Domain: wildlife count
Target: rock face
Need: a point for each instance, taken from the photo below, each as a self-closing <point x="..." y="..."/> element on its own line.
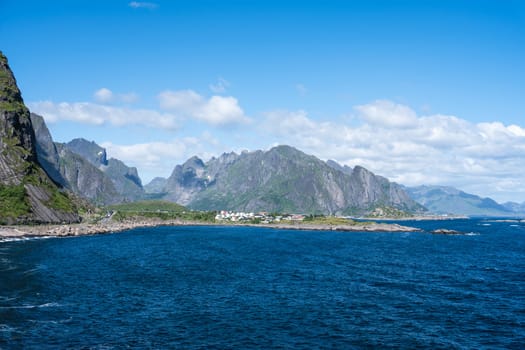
<point x="156" y="186"/>
<point x="27" y="194"/>
<point x="282" y="179"/>
<point x="126" y="180"/>
<point x="71" y="170"/>
<point x="450" y="200"/>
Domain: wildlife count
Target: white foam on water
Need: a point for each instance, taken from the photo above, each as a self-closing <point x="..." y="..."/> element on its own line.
<point x="31" y="306"/>
<point x="7" y="328"/>
<point x="471" y="234"/>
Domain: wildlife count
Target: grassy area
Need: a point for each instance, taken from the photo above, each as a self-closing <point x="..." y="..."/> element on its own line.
<point x="13" y="203"/>
<point x="159" y="210"/>
<point x="149" y="206"/>
<point x="331" y="220"/>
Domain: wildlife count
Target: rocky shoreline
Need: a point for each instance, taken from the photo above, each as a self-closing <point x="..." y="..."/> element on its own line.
<point x="70" y="230"/>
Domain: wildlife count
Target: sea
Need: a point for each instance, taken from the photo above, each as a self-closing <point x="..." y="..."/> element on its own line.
<point x="216" y="287"/>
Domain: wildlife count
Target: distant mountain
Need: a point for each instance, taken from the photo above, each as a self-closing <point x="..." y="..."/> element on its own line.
<point x="125" y="179"/>
<point x="515" y="207"/>
<point x="157" y="185"/>
<point x="27" y="194"/>
<point x="449" y="200"/>
<point x="71" y="170"/>
<point x="282" y="179"/>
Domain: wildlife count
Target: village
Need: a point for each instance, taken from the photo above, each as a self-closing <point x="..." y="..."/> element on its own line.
<point x="261" y="217"/>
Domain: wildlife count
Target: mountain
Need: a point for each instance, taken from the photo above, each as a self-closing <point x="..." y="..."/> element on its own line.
<point x="71" y="170"/>
<point x="27" y="193"/>
<point x="517" y="208"/>
<point x="156" y="185"/>
<point x="282" y="179"/>
<point x="125" y="179"/>
<point x="449" y="200"/>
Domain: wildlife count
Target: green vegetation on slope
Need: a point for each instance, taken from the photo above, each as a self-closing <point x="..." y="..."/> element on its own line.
<point x="13" y="203"/>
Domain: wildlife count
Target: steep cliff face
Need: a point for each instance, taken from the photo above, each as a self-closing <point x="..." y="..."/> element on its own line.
<point x="125" y="179"/>
<point x="282" y="179"/>
<point x="71" y="170"/>
<point x="27" y="194"/>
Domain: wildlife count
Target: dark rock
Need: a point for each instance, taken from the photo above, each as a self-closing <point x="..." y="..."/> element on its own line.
<point x="444" y="231"/>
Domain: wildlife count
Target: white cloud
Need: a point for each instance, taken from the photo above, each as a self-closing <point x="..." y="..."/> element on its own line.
<point x="103" y="95"/>
<point x="383" y="113"/>
<point x="142" y="4"/>
<point x="220" y="86"/>
<point x="217" y="110"/>
<point x="160" y="158"/>
<point x="393" y="141"/>
<point x="106" y="96"/>
<point x="97" y="114"/>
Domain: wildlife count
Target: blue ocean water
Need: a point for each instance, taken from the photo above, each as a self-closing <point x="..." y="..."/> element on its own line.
<point x="216" y="287"/>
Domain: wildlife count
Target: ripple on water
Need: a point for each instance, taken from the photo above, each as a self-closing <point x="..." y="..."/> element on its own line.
<point x="196" y="287"/>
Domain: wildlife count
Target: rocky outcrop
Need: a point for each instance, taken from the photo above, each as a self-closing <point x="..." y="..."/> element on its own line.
<point x="27" y="194"/>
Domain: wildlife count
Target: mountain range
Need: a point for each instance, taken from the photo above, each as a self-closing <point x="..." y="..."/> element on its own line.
<point x="82" y="167"/>
<point x="40" y="179"/>
<point x="449" y="200"/>
<point x="282" y="179"/>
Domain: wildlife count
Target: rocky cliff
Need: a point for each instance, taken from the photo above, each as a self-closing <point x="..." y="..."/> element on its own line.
<point x="282" y="179"/>
<point x="27" y="194"/>
<point x="71" y="170"/>
<point x="125" y="179"/>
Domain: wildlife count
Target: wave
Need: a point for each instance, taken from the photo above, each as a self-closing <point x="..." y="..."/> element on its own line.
<point x="31" y="306"/>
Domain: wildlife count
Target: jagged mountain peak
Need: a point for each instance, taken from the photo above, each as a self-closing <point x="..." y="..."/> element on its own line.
<point x="282" y="178"/>
<point x="89" y="150"/>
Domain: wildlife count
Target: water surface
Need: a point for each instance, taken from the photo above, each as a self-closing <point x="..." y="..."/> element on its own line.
<point x="241" y="287"/>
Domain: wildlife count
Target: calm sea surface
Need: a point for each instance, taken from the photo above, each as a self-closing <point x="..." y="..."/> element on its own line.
<point x="223" y="287"/>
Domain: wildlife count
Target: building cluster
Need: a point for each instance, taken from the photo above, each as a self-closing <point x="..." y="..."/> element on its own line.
<point x="262" y="217"/>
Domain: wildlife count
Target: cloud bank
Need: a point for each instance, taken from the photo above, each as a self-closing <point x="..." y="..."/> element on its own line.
<point x="393" y="141"/>
<point x="98" y="114"/>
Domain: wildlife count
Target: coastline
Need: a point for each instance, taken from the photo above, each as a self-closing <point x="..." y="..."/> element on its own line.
<point x="83" y="229"/>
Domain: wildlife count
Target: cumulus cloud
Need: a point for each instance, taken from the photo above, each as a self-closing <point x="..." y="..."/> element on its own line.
<point x="103" y="95"/>
<point x="393" y="141"/>
<point x="216" y="110"/>
<point x="106" y="96"/>
<point x="143" y="4"/>
<point x="383" y="113"/>
<point x="97" y="114"/>
<point x="220" y="86"/>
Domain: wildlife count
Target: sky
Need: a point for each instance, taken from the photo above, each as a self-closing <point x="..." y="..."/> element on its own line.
<point x="419" y="91"/>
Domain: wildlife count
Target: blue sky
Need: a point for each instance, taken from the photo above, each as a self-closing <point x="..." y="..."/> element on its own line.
<point x="422" y="92"/>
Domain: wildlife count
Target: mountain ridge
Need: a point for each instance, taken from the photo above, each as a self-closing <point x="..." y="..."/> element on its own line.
<point x="450" y="200"/>
<point x="281" y="179"/>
